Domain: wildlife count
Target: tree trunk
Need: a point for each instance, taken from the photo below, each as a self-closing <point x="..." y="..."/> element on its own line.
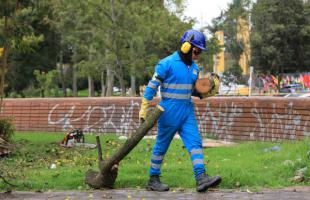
<point x="90" y="87"/>
<point x="110" y="74"/>
<point x="103" y="86"/>
<point x="122" y="84"/>
<point x="4" y="62"/>
<point x="74" y="81"/>
<point x="74" y="73"/>
<point x="2" y="71"/>
<point x="62" y="75"/>
<point x="108" y="170"/>
<point x="110" y="82"/>
<point x="120" y="76"/>
<point x="133" y="85"/>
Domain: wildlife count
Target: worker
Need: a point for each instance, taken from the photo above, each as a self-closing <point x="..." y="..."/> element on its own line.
<point x="177" y="75"/>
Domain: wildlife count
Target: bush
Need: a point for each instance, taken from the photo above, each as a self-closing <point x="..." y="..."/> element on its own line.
<point x="31" y="91"/>
<point x="14" y="95"/>
<point x="6" y="129"/>
<point x="69" y="92"/>
<point x="53" y="92"/>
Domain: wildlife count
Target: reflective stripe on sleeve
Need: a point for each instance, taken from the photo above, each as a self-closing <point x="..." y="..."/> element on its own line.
<point x="152" y="85"/>
<point x="157" y="80"/>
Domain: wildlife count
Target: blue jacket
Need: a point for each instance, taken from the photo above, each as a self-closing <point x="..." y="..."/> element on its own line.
<point x="175" y="78"/>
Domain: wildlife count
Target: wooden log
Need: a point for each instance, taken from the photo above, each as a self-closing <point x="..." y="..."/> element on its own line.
<point x="99" y="148"/>
<point x="204" y="85"/>
<point x="108" y="169"/>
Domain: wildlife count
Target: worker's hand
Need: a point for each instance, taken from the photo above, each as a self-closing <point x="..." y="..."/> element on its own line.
<point x="217" y="82"/>
<point x="143" y="110"/>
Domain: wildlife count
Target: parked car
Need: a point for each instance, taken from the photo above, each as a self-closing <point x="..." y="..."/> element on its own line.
<point x="298" y="95"/>
<point x="292" y="88"/>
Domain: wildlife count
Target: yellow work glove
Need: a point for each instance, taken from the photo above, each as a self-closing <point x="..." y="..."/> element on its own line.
<point x="216" y="85"/>
<point x="143" y="110"/>
<point x="215" y="89"/>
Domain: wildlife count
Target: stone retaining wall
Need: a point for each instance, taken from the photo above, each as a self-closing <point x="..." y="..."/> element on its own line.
<point x="230" y="118"/>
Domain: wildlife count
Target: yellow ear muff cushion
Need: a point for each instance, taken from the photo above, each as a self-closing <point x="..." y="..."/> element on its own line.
<point x="186" y="47"/>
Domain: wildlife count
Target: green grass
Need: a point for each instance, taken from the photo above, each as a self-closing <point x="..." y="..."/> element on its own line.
<point x="243" y="166"/>
<point x="84" y="93"/>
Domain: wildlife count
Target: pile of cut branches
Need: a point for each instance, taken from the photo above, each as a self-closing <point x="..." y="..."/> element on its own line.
<point x="6" y="132"/>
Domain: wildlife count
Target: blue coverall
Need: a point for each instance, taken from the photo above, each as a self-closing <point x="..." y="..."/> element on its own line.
<point x="177" y="81"/>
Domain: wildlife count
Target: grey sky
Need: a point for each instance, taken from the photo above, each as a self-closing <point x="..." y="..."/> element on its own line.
<point x="205" y="10"/>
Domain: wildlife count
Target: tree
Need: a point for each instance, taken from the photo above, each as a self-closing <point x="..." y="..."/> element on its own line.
<point x="155" y="32"/>
<point x="43" y="57"/>
<point x="66" y="23"/>
<point x="305" y="34"/>
<point x="229" y="22"/>
<point x="207" y="58"/>
<point x="101" y="40"/>
<point x="47" y="82"/>
<point x="123" y="38"/>
<point x="280" y="36"/>
<point x="17" y="35"/>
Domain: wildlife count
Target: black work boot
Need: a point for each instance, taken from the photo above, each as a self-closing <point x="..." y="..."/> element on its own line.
<point x="155" y="184"/>
<point x="203" y="182"/>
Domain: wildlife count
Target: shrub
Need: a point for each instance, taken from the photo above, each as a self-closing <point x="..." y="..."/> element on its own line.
<point x="31" y="91"/>
<point x="14" y="95"/>
<point x="6" y="129"/>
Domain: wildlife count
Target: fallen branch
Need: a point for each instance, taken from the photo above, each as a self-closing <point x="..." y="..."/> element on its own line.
<point x="108" y="169"/>
<point x="7" y="182"/>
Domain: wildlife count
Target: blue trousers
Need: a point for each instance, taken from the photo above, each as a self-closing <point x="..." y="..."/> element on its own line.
<point x="179" y="117"/>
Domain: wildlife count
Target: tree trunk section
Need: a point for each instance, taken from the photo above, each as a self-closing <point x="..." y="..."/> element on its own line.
<point x="108" y="170"/>
<point x="62" y="75"/>
<point x="122" y="84"/>
<point x="110" y="82"/>
<point x="74" y="73"/>
<point x="120" y="76"/>
<point x="90" y="86"/>
<point x="2" y="82"/>
<point x="74" y="81"/>
<point x="133" y="85"/>
<point x="103" y="86"/>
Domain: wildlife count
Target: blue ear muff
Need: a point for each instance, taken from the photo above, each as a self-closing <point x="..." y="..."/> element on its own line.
<point x="186" y="46"/>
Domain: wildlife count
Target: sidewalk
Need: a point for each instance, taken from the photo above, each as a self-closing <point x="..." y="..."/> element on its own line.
<point x="298" y="193"/>
<point x="206" y="143"/>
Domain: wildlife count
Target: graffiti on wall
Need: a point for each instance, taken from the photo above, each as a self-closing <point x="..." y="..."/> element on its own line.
<point x="272" y="124"/>
<point x="105" y="123"/>
<point x="221" y="118"/>
<point x="266" y="123"/>
<point x="227" y="120"/>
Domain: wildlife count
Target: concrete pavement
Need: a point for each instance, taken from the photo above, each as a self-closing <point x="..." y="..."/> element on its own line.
<point x="301" y="193"/>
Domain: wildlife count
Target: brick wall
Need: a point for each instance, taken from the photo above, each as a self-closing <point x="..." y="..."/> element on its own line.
<point x="230" y="118"/>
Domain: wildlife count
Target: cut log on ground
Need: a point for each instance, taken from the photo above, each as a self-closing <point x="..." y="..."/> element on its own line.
<point x="108" y="169"/>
